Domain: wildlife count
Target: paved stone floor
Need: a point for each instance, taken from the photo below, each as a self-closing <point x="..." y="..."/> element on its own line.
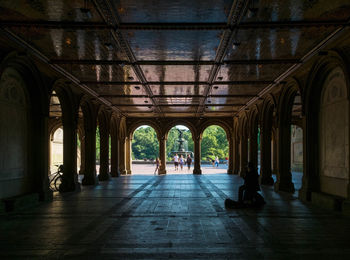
<point x="148" y="169"/>
<point x="172" y="216"/>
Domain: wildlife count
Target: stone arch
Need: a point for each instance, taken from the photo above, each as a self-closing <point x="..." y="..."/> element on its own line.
<point x="285" y="105"/>
<point x="229" y="136"/>
<point x="36" y="150"/>
<point x="218" y="122"/>
<point x="184" y="122"/>
<point x="138" y="123"/>
<point x="53" y="127"/>
<point x="318" y="76"/>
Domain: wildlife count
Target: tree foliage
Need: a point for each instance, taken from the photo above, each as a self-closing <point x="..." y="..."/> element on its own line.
<point x="214" y="143"/>
<point x="145" y="144"/>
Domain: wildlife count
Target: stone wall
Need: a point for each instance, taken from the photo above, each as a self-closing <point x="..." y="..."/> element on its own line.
<point x="14" y="179"/>
<point x="334" y="135"/>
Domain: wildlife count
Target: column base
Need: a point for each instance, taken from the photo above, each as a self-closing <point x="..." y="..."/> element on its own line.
<point x="230" y="171"/>
<point x="197" y="171"/>
<point x="89" y="181"/>
<point x="236" y="172"/>
<point x="267" y="181"/>
<point x="115" y="174"/>
<point x="129" y="172"/>
<point x="286" y="187"/>
<point x="66" y="186"/>
<point x="104" y="177"/>
<point x="161" y="172"/>
<point x="123" y="172"/>
<point x="304" y="195"/>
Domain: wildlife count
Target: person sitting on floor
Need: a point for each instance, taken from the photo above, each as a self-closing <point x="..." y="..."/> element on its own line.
<point x="248" y="195"/>
<point x="251" y="184"/>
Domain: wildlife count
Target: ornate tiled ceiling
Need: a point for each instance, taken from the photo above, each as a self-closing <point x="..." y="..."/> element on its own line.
<point x="174" y="58"/>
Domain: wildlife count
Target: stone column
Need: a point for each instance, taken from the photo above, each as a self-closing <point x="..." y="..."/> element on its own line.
<point x="162" y="155"/>
<point x="230" y="166"/>
<point x="197" y="155"/>
<point x="284" y="175"/>
<point x="236" y="156"/>
<point x="104" y="151"/>
<point x="253" y="150"/>
<point x="122" y="156"/>
<point x="128" y="155"/>
<point x="114" y="155"/>
<point x="265" y="155"/>
<point x="70" y="178"/>
<point x="90" y="157"/>
<point x="243" y="155"/>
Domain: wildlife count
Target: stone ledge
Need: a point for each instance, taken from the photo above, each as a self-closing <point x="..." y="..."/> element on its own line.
<point x="18" y="202"/>
<point x="327" y="201"/>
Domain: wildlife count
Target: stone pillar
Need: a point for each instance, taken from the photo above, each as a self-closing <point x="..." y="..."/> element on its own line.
<point x="104" y="151"/>
<point x="284" y="175"/>
<point x="253" y="150"/>
<point x="90" y="156"/>
<point x="128" y="155"/>
<point x="243" y="155"/>
<point x="114" y="154"/>
<point x="122" y="156"/>
<point x="265" y="158"/>
<point x="305" y="191"/>
<point x="236" y="156"/>
<point x="70" y="178"/>
<point x="230" y="166"/>
<point x="197" y="155"/>
<point x="162" y="155"/>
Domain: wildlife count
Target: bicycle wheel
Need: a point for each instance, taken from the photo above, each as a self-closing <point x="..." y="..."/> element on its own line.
<point x="58" y="182"/>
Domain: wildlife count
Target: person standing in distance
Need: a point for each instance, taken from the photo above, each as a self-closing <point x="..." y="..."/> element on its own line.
<point x="188" y="161"/>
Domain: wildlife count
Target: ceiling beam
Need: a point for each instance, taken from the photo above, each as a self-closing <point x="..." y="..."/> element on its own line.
<point x="177" y="105"/>
<point x="41" y="57"/>
<point x="182" y="83"/>
<point x="173" y="62"/>
<point x="238" y="9"/>
<point x="168" y="26"/>
<point x="314" y="51"/>
<point x="110" y="15"/>
<point x="176" y="96"/>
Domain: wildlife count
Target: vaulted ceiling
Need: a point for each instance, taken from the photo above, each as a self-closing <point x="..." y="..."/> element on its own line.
<point x="174" y="58"/>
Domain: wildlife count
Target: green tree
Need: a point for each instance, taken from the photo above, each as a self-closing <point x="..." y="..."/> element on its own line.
<point x="145" y="144"/>
<point x="214" y="143"/>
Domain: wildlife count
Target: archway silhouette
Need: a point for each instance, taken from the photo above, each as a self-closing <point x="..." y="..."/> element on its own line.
<point x="144" y="150"/>
<point x="214" y="150"/>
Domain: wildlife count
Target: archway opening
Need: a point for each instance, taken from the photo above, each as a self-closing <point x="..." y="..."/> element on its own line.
<point x="144" y="150"/>
<point x="56" y="134"/>
<point x="98" y="145"/>
<point x="179" y="147"/>
<point x="214" y="150"/>
<point x="56" y="149"/>
<point x="80" y="142"/>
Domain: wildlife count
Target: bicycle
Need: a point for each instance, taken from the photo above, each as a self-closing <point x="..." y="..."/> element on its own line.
<point x="56" y="178"/>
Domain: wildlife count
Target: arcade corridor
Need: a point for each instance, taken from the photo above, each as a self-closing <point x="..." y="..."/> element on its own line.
<point x="78" y="77"/>
<point x="173" y="216"/>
